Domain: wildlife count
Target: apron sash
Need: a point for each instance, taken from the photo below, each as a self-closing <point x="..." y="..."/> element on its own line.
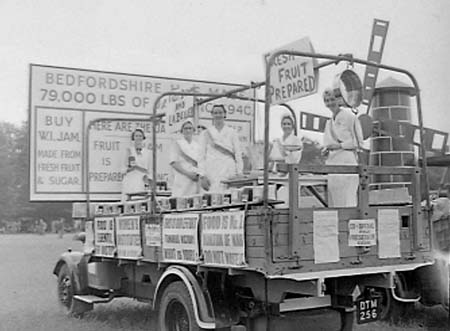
<point x="219" y="147"/>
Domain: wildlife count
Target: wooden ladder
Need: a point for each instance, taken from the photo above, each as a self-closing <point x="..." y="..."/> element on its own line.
<point x="376" y="47"/>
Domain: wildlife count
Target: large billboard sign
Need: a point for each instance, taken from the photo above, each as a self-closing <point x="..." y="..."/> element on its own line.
<point x="81" y="122"/>
<point x="292" y="77"/>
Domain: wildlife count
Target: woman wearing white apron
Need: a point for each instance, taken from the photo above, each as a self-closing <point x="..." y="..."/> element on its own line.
<point x="184" y="159"/>
<point x="221" y="151"/>
<point x="137" y="178"/>
<point x="342" y="139"/>
<point x="288" y="148"/>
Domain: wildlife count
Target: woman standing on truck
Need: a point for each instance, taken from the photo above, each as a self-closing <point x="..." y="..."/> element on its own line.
<point x="137" y="177"/>
<point x="184" y="159"/>
<point x="138" y="153"/>
<point x="342" y="139"/>
<point x="221" y="151"/>
<point x="289" y="148"/>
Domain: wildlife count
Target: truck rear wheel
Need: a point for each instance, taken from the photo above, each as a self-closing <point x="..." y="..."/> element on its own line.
<point x="176" y="312"/>
<point x="391" y="310"/>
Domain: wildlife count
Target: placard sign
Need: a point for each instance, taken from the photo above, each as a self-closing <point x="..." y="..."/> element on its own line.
<point x="180" y="238"/>
<point x="362" y="232"/>
<point x="105" y="244"/>
<point x="128" y="237"/>
<point x="72" y="153"/>
<point x="326" y="236"/>
<point x="388" y="233"/>
<point x="153" y="234"/>
<point x="292" y="77"/>
<point x="223" y="238"/>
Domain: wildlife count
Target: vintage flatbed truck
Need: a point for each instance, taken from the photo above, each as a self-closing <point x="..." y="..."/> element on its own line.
<point x="251" y="264"/>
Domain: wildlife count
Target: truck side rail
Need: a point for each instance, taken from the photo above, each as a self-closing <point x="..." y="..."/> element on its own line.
<point x="364" y="205"/>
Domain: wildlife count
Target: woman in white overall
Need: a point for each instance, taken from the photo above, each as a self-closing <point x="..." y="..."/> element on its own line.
<point x="221" y="151"/>
<point x="288" y="148"/>
<point x="184" y="159"/>
<point x="342" y="139"/>
<point x="137" y="178"/>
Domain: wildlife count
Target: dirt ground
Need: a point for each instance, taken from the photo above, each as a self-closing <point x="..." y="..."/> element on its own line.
<point x="28" y="295"/>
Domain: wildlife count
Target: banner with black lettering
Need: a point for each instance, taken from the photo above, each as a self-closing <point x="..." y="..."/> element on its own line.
<point x="81" y="122"/>
<point x="180" y="238"/>
<point x="223" y="238"/>
<point x="128" y="232"/>
<point x="104" y="243"/>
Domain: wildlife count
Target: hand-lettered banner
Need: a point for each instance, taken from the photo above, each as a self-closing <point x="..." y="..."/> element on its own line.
<point x="223" y="238"/>
<point x="180" y="238"/>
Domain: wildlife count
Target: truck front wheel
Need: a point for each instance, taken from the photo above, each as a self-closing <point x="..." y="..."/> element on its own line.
<point x="66" y="289"/>
<point x="176" y="312"/>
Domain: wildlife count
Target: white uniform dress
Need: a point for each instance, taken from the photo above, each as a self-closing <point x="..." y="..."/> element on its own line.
<point x="280" y="153"/>
<point x="133" y="181"/>
<point x="221" y="156"/>
<point x="346" y="130"/>
<point x="142" y="157"/>
<point x="188" y="156"/>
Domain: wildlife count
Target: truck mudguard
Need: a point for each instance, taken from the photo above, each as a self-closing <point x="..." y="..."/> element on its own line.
<point x="77" y="264"/>
<point x="203" y="311"/>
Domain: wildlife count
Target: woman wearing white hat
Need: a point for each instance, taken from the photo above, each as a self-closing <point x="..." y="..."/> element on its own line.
<point x="342" y="140"/>
<point x="289" y="147"/>
<point x="221" y="151"/>
<point x="184" y="159"/>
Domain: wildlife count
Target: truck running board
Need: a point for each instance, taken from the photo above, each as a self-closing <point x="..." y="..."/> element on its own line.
<point x="91" y="299"/>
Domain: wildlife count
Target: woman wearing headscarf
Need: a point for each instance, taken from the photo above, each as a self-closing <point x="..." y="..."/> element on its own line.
<point x="221" y="151"/>
<point x="342" y="139"/>
<point x="184" y="159"/>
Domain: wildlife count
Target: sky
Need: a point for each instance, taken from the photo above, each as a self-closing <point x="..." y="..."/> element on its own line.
<point x="221" y="40"/>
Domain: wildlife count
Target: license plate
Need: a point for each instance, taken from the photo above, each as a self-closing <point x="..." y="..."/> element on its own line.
<point x="368" y="310"/>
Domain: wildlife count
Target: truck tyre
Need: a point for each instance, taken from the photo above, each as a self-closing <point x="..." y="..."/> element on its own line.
<point x="66" y="291"/>
<point x="391" y="310"/>
<point x="176" y="312"/>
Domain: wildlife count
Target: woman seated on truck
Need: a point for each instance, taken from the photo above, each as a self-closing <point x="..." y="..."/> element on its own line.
<point x="137" y="177"/>
<point x="287" y="149"/>
<point x="342" y="139"/>
<point x="184" y="159"/>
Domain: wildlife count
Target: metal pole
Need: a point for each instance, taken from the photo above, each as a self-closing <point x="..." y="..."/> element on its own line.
<point x="88" y="197"/>
<point x="229" y="93"/>
<point x="266" y="131"/>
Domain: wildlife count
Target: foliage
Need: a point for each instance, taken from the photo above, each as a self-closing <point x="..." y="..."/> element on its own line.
<point x="14" y="186"/>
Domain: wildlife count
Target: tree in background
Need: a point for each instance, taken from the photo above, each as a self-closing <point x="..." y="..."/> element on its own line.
<point x="14" y="186"/>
